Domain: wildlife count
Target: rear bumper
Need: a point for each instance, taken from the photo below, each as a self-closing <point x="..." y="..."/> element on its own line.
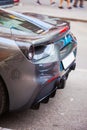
<point x="65" y="76"/>
<point x="49" y="90"/>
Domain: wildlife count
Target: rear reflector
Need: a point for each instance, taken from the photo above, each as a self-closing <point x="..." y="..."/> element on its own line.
<point x="53" y="78"/>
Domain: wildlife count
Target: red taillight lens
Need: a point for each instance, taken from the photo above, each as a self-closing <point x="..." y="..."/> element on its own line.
<point x="15" y="1"/>
<point x="53" y="78"/>
<point x="64" y="29"/>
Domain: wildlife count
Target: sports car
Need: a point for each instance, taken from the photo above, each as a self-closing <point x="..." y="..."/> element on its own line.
<point x="37" y="53"/>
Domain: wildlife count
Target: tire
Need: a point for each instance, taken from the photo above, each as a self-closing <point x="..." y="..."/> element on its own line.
<point x="3" y="98"/>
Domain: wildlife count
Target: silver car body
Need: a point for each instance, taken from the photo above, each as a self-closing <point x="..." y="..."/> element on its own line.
<point x="29" y="79"/>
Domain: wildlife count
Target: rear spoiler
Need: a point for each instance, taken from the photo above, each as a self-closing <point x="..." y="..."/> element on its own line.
<point x="53" y="35"/>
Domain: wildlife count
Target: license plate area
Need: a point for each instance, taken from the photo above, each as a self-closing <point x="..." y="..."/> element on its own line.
<point x="68" y="60"/>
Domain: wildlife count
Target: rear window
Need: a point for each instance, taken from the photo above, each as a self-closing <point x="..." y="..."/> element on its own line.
<point x="13" y="22"/>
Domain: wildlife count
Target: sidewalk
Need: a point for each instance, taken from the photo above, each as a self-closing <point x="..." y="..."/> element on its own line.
<point x="77" y="14"/>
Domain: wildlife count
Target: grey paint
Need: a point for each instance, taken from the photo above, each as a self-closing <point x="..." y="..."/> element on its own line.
<point x="25" y="78"/>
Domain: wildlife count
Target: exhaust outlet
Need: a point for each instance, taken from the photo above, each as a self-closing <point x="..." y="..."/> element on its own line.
<point x="73" y="66"/>
<point x="60" y="83"/>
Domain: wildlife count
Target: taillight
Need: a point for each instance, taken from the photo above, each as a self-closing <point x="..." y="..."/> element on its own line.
<point x="15" y="1"/>
<point x="28" y="52"/>
<point x="64" y="29"/>
<point x="31" y="53"/>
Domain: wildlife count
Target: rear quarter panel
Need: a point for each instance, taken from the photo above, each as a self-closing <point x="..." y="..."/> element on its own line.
<point x="18" y="74"/>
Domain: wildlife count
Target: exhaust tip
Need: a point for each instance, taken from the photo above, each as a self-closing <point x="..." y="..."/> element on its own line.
<point x="73" y="66"/>
<point x="60" y="83"/>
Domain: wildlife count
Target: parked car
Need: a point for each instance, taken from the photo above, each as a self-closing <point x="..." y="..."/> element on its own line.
<point x="37" y="53"/>
<point x="7" y="3"/>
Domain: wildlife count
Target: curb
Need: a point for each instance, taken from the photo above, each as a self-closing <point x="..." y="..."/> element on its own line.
<point x="47" y="10"/>
<point x="73" y="19"/>
<point x="63" y="18"/>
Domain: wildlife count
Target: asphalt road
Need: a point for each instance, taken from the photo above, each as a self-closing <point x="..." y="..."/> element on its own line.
<point x="68" y="109"/>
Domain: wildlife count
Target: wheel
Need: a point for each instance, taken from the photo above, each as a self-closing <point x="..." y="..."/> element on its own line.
<point x="3" y="98"/>
<point x="62" y="84"/>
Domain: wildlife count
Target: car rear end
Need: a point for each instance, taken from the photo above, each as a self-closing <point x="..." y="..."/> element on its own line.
<point x="67" y="56"/>
<point x="46" y="55"/>
<point x="54" y="57"/>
